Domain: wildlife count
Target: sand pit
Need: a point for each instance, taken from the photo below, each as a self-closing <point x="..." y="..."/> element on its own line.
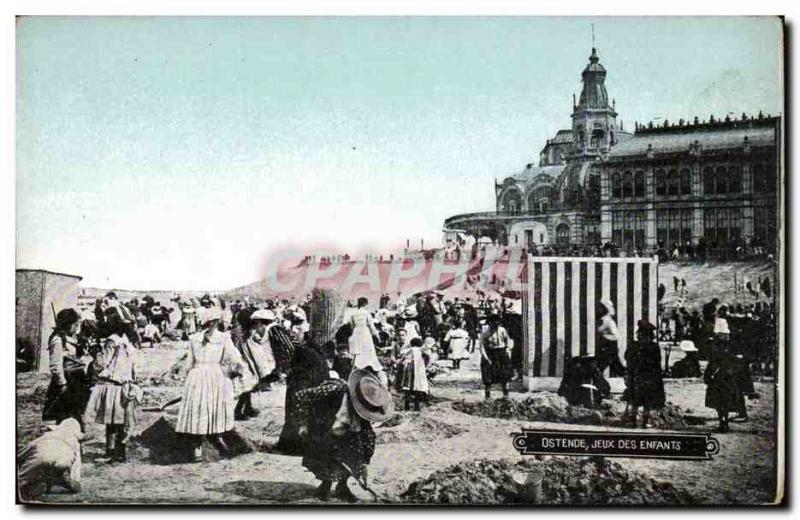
<point x="165" y="446"/>
<point x="570" y="481"/>
<point x="429" y="400"/>
<point x="414" y="427"/>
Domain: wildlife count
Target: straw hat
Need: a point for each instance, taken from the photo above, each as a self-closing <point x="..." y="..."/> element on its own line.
<point x="370" y="399"/>
<point x="327" y="314"/>
<point x="263" y="315"/>
<point x="208" y="314"/>
<point x="410" y="312"/>
<point x="688" y="346"/>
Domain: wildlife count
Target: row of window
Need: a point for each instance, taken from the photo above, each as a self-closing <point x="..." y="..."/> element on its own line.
<point x="720" y="225"/>
<point x="720" y="181"/>
<point x="539" y="201"/>
<point x="628" y="229"/>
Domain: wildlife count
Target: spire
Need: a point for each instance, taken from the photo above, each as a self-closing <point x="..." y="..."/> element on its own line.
<point x="593" y="94"/>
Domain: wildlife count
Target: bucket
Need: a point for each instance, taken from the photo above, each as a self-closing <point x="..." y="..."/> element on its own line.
<point x="529" y="485"/>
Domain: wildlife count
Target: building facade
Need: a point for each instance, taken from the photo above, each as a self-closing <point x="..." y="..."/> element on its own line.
<point x="706" y="183"/>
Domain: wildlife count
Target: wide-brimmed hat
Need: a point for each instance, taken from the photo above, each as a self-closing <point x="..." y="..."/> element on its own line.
<point x="326" y="311"/>
<point x="207" y="314"/>
<point x="66" y="317"/>
<point x="370" y="399"/>
<point x="263" y="315"/>
<point x="410" y="312"/>
<point x="688" y="346"/>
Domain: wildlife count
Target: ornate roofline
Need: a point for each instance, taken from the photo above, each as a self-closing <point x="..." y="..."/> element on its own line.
<point x="681" y="126"/>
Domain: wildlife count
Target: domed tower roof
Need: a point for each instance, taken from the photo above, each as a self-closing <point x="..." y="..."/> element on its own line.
<point x="594" y="93"/>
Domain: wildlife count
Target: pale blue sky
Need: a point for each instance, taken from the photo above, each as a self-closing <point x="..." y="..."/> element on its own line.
<point x="174" y="152"/>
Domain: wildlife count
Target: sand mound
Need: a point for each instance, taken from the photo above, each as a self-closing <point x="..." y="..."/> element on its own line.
<point x="544" y="406"/>
<point x="414" y="427"/>
<point x="550" y="407"/>
<point x="570" y="481"/>
<point x="169" y="447"/>
<point x="429" y="400"/>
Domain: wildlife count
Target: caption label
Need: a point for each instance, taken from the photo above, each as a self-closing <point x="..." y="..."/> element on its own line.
<point x="681" y="446"/>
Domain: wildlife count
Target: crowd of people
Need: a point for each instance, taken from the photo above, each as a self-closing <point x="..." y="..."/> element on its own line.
<point x="338" y="361"/>
<point x="342" y="361"/>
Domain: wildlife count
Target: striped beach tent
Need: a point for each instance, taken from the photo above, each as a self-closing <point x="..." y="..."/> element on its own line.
<point x="558" y="306"/>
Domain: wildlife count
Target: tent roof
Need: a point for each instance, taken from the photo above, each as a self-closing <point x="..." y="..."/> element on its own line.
<point x="49" y="272"/>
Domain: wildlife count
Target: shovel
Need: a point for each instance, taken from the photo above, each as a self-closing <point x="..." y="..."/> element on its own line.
<point x="163" y="406"/>
<point x="364" y="486"/>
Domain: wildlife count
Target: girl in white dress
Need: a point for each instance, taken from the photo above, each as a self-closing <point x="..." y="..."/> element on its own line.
<point x="207" y="407"/>
<point x="458" y="340"/>
<point x="361" y="345"/>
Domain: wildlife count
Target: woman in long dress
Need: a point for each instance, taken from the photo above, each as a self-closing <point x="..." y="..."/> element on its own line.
<point x="723" y="392"/>
<point x="207" y="407"/>
<point x="68" y="390"/>
<point x="644" y="383"/>
<point x="257" y="355"/>
<point x="306" y="364"/>
<point x="361" y="345"/>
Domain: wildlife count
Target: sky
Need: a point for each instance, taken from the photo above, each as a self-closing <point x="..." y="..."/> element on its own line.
<point x="177" y="153"/>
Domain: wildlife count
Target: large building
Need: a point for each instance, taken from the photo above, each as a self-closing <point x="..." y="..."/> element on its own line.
<point x="711" y="183"/>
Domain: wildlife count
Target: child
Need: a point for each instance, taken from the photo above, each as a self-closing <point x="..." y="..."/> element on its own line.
<point x="412" y="380"/>
<point x="458" y="340"/>
<point x="113" y="398"/>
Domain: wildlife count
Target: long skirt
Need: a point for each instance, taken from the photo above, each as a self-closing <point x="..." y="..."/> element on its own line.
<point x="70" y="403"/>
<point x="459" y="349"/>
<point x="608" y="356"/>
<point x="412" y="378"/>
<point x="207" y="406"/>
<point x="106" y="404"/>
<point x="499" y="370"/>
<point x="360" y="340"/>
<point x="326" y="455"/>
<point x="723" y="392"/>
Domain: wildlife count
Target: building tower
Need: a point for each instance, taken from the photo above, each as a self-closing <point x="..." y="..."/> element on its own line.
<point x="594" y="121"/>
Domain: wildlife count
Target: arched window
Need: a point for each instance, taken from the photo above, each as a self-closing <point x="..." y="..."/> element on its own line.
<point x="627" y="185"/>
<point x="686" y="182"/>
<point x="533" y="204"/>
<point x="596" y="138"/>
<point x="722" y="180"/>
<point x="512" y="202"/>
<point x="661" y="182"/>
<point x="674" y="185"/>
<point x="734" y="180"/>
<point x="638" y="185"/>
<point x="708" y="181"/>
<point x="616" y="186"/>
<point x="562" y="234"/>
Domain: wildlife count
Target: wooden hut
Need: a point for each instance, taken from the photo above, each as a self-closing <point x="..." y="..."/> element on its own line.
<point x="40" y="295"/>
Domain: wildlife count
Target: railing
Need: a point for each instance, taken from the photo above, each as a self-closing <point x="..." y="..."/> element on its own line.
<point x="492" y="214"/>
